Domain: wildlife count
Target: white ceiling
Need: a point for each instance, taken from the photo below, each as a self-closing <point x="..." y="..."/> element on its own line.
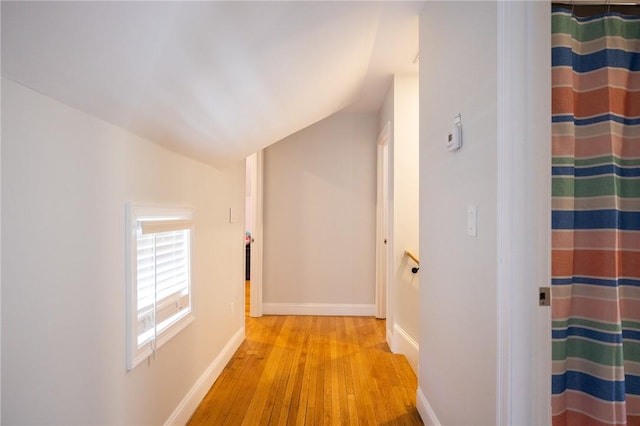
<point x="215" y="81"/>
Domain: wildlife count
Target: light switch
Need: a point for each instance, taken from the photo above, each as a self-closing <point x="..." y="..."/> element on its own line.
<point x="472" y="220"/>
<point x="232" y="215"/>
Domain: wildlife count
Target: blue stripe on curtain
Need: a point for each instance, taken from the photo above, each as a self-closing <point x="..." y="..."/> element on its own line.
<point x="632" y="384"/>
<point x="599" y="336"/>
<point x="607" y="390"/>
<point x="596" y="170"/>
<point x="596" y="281"/>
<point x="631" y="334"/>
<point x="563" y="56"/>
<point x="596" y="219"/>
<point x="594" y="120"/>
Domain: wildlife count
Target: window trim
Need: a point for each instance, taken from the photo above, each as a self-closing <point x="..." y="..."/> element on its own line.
<point x="158" y="219"/>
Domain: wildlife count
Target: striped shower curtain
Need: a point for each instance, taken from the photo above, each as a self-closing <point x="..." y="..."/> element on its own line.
<point x="596" y="218"/>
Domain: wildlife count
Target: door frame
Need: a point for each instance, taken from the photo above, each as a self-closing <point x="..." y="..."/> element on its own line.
<point x="383" y="301"/>
<point x="255" y="169"/>
<point x="524" y="211"/>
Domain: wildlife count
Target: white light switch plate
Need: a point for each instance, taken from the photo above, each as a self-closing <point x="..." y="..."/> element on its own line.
<point x="472" y="220"/>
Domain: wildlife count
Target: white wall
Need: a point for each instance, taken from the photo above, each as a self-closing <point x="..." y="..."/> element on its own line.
<point x="503" y="373"/>
<point x="401" y="109"/>
<point x="66" y="177"/>
<point x="458" y="309"/>
<point x="319" y="218"/>
<point x="405" y="155"/>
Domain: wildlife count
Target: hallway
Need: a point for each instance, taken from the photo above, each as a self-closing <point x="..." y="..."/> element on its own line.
<point x="303" y="370"/>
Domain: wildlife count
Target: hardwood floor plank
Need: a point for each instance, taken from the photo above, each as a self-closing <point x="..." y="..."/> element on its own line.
<point x="303" y="370"/>
<point x="361" y="376"/>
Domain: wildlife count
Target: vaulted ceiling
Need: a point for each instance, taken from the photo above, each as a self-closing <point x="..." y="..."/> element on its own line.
<point x="215" y="81"/>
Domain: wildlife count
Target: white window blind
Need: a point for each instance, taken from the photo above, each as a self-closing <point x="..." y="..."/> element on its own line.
<point x="160" y="284"/>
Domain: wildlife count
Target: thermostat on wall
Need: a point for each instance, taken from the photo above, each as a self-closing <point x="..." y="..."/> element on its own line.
<point x="454" y="139"/>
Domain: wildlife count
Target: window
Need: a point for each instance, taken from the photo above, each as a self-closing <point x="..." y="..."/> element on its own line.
<point x="159" y="278"/>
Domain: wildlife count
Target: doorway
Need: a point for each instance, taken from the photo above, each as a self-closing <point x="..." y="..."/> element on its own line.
<point x="253" y="235"/>
<point x="382" y="228"/>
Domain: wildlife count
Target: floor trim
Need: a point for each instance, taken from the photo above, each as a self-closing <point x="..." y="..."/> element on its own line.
<point x="426" y="412"/>
<point x="192" y="399"/>
<point x="404" y="344"/>
<point x="324" y="309"/>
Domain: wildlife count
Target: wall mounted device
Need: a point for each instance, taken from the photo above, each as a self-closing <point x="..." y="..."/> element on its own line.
<point x="472" y="220"/>
<point x="454" y="139"/>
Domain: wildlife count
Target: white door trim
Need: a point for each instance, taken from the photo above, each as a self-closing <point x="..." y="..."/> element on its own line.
<point x="524" y="197"/>
<point x="382" y="226"/>
<point x="255" y="286"/>
<point x="505" y="151"/>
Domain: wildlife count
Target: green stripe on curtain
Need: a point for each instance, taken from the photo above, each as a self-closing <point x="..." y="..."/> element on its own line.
<point x="587" y="323"/>
<point x="608" y="159"/>
<point x="595" y="187"/>
<point x="602" y="354"/>
<point x="592" y="30"/>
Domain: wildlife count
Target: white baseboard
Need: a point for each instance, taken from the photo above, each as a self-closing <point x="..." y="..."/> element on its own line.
<point x="406" y="345"/>
<point x="426" y="412"/>
<point x="192" y="399"/>
<point x="326" y="309"/>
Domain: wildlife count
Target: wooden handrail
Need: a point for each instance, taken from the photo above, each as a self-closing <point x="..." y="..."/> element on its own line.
<point x="412" y="256"/>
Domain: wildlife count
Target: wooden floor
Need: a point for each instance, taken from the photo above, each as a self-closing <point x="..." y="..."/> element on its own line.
<point x="304" y="370"/>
